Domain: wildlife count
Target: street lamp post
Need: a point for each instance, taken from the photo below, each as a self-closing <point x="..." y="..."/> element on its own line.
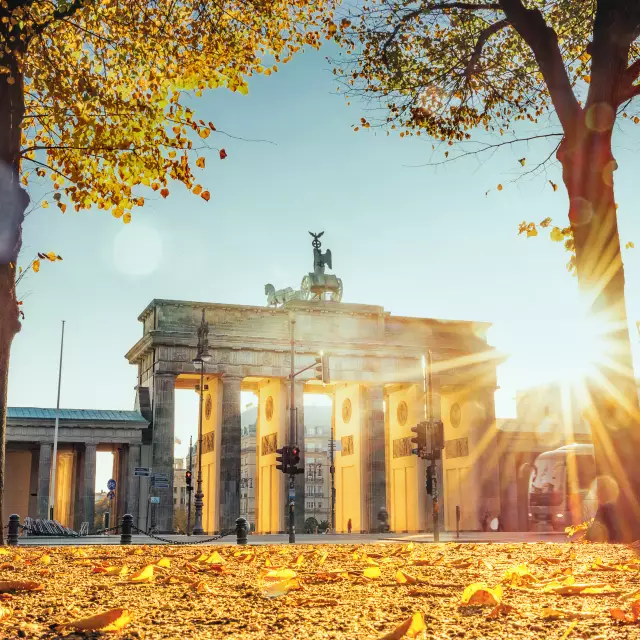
<point x="203" y="356"/>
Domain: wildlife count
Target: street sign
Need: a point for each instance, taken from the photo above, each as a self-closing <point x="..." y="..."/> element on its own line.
<point x="160" y="480"/>
<point x="111" y="485"/>
<point x="155" y="500"/>
<point x="143" y="472"/>
<point x="111" y="495"/>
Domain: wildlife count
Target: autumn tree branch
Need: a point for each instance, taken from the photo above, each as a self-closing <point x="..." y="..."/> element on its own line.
<point x="485" y="34"/>
<point x="543" y="41"/>
<point x="438" y="6"/>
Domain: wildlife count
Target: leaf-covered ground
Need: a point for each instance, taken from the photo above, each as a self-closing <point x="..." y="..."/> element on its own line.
<point x="375" y="591"/>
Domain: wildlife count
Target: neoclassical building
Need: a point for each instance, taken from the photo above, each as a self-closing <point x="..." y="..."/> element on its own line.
<point x="377" y="390"/>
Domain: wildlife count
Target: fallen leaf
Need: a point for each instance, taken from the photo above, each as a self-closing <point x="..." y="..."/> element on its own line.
<point x="519" y="576"/>
<point x="117" y="571"/>
<point x="281" y="588"/>
<point x="279" y="574"/>
<point x="112" y="620"/>
<point x="214" y="558"/>
<point x="372" y="572"/>
<point x="410" y="628"/>
<point x="479" y="594"/>
<point x="16" y="585"/>
<point x="144" y="575"/>
<point x="620" y="615"/>
<point x="405" y="578"/>
<point x="5" y="612"/>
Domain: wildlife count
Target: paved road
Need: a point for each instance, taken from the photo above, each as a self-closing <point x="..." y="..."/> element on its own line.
<point x="420" y="538"/>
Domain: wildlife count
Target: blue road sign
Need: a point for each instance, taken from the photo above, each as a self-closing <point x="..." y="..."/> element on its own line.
<point x="111" y="484"/>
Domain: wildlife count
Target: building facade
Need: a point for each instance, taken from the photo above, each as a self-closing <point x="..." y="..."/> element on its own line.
<point x="82" y="433"/>
<point x="375" y="363"/>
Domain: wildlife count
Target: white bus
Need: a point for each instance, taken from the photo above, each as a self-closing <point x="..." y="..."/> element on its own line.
<point x="562" y="488"/>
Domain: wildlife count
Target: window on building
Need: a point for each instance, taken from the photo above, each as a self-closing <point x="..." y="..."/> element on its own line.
<point x="250" y="483"/>
<point x="175" y="501"/>
<point x="309" y="505"/>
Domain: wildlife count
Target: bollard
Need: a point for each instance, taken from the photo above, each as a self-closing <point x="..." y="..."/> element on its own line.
<point x="457" y="521"/>
<point x="126" y="529"/>
<point x="241" y="530"/>
<point x="13" y="530"/>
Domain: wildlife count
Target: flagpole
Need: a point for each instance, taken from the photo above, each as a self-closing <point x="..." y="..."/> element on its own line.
<point x="52" y="486"/>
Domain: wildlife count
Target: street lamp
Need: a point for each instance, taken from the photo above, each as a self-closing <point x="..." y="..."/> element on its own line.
<point x="203" y="356"/>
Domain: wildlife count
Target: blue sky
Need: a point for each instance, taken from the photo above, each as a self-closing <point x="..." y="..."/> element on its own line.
<point x="418" y="241"/>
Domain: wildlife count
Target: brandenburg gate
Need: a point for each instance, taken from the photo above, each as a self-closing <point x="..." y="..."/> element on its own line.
<point x="377" y="391"/>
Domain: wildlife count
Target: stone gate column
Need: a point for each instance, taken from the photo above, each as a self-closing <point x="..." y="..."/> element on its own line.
<point x="230" y="445"/>
<point x="44" y="479"/>
<point x="300" y="478"/>
<point x="89" y="484"/>
<point x="163" y="446"/>
<point x="375" y="492"/>
<point x="132" y="498"/>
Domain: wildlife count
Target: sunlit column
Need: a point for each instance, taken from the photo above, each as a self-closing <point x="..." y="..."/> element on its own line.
<point x="230" y="452"/>
<point x="44" y="478"/>
<point x="376" y="487"/>
<point x="163" y="446"/>
<point x="89" y="484"/>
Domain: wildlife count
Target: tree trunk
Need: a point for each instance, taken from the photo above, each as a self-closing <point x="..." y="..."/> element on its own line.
<point x="13" y="202"/>
<point x="611" y="398"/>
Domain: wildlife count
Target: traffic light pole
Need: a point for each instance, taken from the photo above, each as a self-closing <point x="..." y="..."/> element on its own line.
<point x="292" y="435"/>
<point x="189" y="490"/>
<point x="432" y="427"/>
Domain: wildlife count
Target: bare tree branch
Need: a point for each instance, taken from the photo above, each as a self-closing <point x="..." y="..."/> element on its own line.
<point x="543" y="41"/>
<point x="485" y="34"/>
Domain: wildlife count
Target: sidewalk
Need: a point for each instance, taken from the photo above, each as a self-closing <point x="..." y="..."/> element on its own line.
<point x="302" y="538"/>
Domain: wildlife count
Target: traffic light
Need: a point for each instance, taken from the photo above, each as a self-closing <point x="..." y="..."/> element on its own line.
<point x="438" y="435"/>
<point x="430" y="480"/>
<point x="322" y="368"/>
<point x="283" y="459"/>
<point x="294" y="461"/>
<point x="420" y="439"/>
<point x="187" y="477"/>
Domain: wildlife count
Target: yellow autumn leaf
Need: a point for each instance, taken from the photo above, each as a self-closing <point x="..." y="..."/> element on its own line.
<point x="556" y="234"/>
<point x="279" y="575"/>
<point x="117" y="571"/>
<point x="143" y="575"/>
<point x="126" y="218"/>
<point x="405" y="578"/>
<point x="532" y="231"/>
<point x="499" y="187"/>
<point x="280" y="588"/>
<point x="629" y="245"/>
<point x="372" y="572"/>
<point x="44" y="204"/>
<point x="479" y="594"/>
<point x="36" y="266"/>
<point x="554" y="186"/>
<point x="5" y="613"/>
<point x="408" y="629"/>
<point x="200" y="162"/>
<point x="214" y="558"/>
<point x="45" y="559"/>
<point x="164" y="563"/>
<point x="112" y="620"/>
<point x="518" y="575"/>
<point x="522" y="161"/>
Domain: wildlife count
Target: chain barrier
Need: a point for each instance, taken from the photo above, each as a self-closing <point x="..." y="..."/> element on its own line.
<point x="101" y="531"/>
<point x="167" y="541"/>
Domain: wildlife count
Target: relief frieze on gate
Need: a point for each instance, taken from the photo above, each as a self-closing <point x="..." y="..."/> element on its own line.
<point x="402" y="447"/>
